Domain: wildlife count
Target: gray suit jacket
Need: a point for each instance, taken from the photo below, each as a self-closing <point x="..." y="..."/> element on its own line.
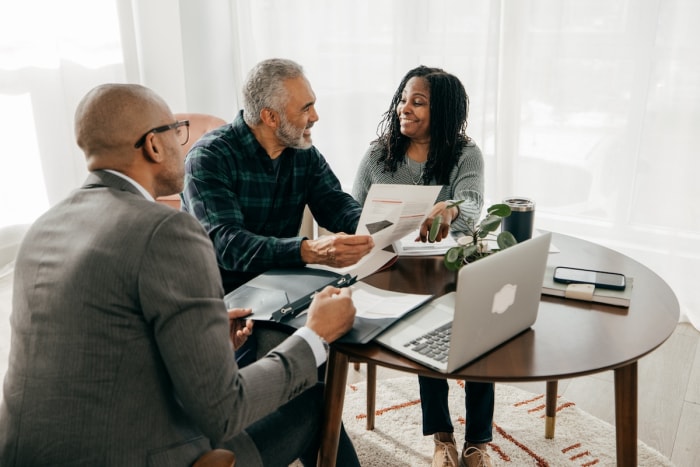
<point x="120" y="352"/>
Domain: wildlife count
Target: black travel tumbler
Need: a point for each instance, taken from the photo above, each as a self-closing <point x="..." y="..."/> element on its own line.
<point x="522" y="218"/>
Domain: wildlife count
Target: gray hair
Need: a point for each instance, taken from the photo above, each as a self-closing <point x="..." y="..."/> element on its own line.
<point x="264" y="87"/>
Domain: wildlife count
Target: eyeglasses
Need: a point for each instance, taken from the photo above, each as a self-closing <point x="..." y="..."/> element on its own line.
<point x="183" y="135"/>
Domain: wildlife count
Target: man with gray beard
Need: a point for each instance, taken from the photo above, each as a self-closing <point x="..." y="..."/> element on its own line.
<point x="248" y="183"/>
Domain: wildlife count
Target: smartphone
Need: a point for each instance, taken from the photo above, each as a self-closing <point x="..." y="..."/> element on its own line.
<point x="602" y="279"/>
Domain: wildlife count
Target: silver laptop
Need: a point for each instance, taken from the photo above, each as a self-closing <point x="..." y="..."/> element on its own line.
<point x="497" y="298"/>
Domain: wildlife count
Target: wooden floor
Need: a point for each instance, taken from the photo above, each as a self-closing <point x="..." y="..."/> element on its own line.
<point x="669" y="396"/>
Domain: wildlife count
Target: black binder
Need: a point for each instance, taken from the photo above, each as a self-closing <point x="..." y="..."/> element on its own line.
<point x="281" y="295"/>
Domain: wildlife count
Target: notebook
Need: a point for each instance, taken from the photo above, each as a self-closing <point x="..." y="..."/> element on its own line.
<point x="496" y="299"/>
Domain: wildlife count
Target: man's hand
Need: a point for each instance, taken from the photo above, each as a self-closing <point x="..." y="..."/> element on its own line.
<point x="446" y="213"/>
<point x="337" y="251"/>
<point x="239" y="328"/>
<point x="331" y="313"/>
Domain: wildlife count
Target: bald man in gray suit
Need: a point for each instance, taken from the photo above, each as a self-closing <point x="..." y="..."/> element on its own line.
<point x="122" y="348"/>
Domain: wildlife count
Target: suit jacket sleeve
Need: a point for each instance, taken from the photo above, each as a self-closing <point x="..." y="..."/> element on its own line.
<point x="181" y="296"/>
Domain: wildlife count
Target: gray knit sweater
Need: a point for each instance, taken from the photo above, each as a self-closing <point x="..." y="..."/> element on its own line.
<point x="466" y="181"/>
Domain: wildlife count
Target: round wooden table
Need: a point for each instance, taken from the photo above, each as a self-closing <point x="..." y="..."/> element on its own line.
<point x="569" y="339"/>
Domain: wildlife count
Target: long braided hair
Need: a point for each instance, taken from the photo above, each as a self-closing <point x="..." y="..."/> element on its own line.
<point x="449" y="107"/>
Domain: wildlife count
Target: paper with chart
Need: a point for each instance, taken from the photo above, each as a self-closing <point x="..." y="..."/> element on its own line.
<point x="393" y="211"/>
<point x="389" y="214"/>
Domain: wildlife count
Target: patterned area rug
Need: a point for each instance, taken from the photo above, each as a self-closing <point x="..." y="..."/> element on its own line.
<point x="580" y="439"/>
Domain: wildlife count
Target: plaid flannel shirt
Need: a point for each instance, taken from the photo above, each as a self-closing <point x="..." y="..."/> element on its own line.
<point x="253" y="212"/>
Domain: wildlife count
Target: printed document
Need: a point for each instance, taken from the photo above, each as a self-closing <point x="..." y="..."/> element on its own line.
<point x="389" y="214"/>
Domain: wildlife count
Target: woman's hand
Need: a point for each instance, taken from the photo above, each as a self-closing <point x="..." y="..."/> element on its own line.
<point x="437" y="225"/>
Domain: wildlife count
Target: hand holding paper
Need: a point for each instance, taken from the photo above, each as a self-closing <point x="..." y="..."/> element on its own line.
<point x="337" y="251"/>
<point x="390" y="213"/>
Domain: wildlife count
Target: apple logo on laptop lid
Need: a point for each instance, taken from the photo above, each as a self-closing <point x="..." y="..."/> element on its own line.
<point x="503" y="299"/>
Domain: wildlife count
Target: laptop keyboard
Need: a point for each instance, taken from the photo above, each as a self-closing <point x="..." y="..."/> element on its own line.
<point x="434" y="344"/>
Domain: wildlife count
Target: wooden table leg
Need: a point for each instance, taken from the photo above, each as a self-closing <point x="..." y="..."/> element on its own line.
<point x="371" y="393"/>
<point x="626" y="414"/>
<point x="334" y="398"/>
<point x="550" y="409"/>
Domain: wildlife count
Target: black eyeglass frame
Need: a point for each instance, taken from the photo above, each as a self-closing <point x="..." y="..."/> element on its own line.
<point x="161" y="129"/>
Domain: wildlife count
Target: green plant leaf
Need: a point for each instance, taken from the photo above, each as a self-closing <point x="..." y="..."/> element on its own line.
<point x="490" y="223"/>
<point x="453" y="258"/>
<point x="505" y="239"/>
<point x="502" y="210"/>
<point x="434" y="228"/>
<point x="457" y="257"/>
<point x="470" y="250"/>
<point x="453" y="255"/>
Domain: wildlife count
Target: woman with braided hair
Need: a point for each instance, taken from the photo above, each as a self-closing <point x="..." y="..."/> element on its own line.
<point x="422" y="140"/>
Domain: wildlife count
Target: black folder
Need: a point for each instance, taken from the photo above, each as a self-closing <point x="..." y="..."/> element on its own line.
<point x="277" y="290"/>
<point x="281" y="295"/>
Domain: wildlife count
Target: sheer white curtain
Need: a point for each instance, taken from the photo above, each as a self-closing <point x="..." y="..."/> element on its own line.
<point x="589" y="107"/>
<point x="49" y="57"/>
<point x="586" y="106"/>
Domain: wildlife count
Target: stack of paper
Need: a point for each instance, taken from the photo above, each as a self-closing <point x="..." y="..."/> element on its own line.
<point x="409" y="246"/>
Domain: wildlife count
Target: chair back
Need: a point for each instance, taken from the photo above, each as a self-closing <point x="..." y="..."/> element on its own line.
<point x="200" y="124"/>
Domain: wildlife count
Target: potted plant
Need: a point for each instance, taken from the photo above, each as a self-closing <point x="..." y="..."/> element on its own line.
<point x="473" y="245"/>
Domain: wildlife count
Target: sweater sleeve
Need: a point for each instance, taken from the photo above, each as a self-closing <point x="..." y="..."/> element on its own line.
<point x="467" y="183"/>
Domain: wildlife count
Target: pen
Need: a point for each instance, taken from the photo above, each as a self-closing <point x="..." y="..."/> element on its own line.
<point x="292" y="310"/>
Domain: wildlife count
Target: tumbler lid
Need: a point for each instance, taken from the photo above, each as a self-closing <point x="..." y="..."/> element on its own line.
<point x="520" y="204"/>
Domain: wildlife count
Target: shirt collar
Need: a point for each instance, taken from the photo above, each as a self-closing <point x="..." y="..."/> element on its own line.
<point x="141" y="189"/>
